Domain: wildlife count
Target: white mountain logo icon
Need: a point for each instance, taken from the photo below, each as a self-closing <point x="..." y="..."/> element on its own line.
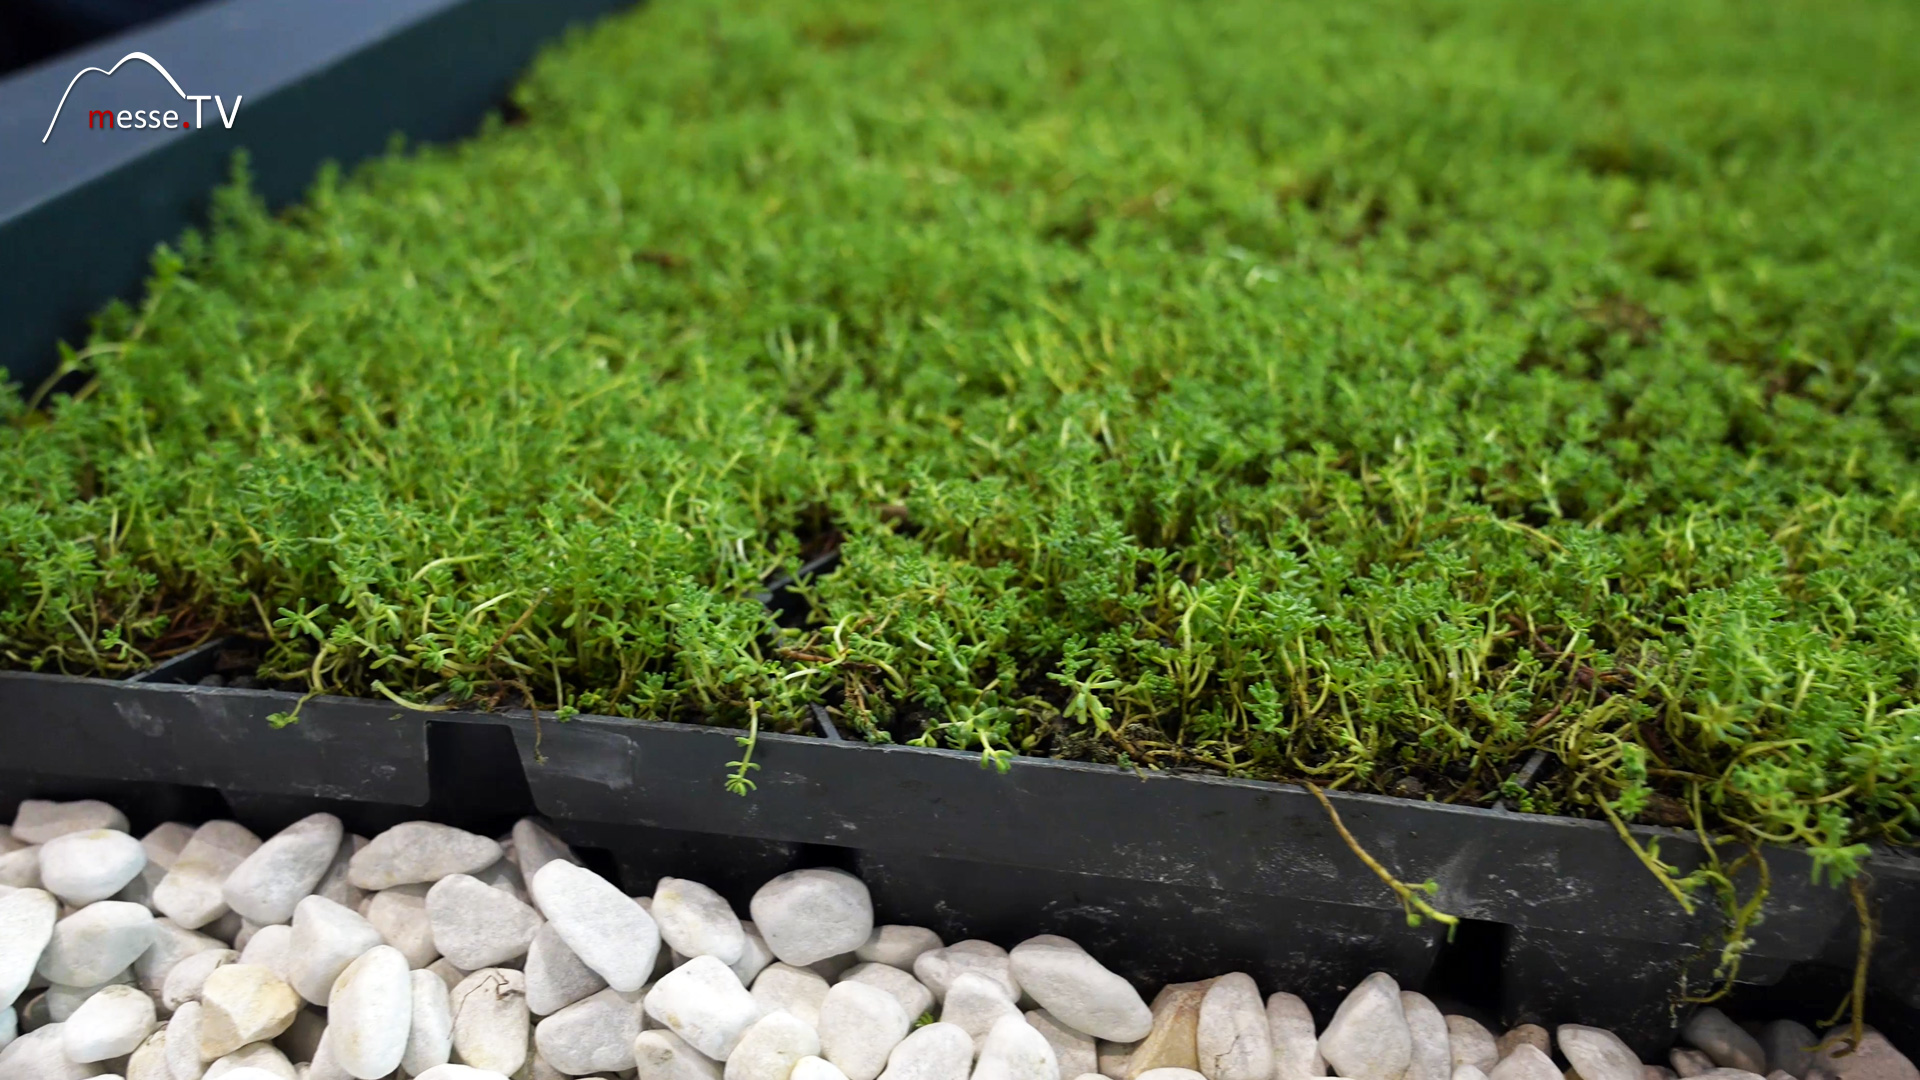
<point x="142" y="118"/>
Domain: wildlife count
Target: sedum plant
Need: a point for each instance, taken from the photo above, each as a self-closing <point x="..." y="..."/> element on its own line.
<point x="1372" y="395"/>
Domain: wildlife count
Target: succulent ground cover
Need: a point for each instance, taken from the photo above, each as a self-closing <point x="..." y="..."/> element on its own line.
<point x="1367" y="394"/>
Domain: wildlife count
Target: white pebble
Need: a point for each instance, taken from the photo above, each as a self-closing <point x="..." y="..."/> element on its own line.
<point x="938" y="968"/>
<point x="271" y="881"/>
<point x="794" y="989"/>
<point x="772" y="1047"/>
<point x="191" y="893"/>
<point x="555" y="976"/>
<point x="459" y="1072"/>
<point x="1013" y="1050"/>
<point x="1468" y="1072"/>
<point x="370" y="1012"/>
<point x="93" y="944"/>
<point x="27" y="918"/>
<point x="189" y="976"/>
<point x="248" y="1073"/>
<point x="326" y="938"/>
<point x="37" y="821"/>
<point x="860" y="1025"/>
<point x="430" y="1033"/>
<point x="590" y="1036"/>
<point x="110" y="1024"/>
<point x="419" y="852"/>
<point x="1431" y="1055"/>
<point x="754" y="955"/>
<point x="810" y="915"/>
<point x="1075" y="1051"/>
<point x="815" y="1068"/>
<point x="696" y="921"/>
<point x="334" y="884"/>
<point x="1525" y="1062"/>
<point x="1296" y="1048"/>
<point x="897" y="946"/>
<point x="906" y="989"/>
<point x="535" y="845"/>
<point x="1596" y="1053"/>
<point x="702" y="1002"/>
<point x="1083" y="994"/>
<point x="1232" y="1040"/>
<point x="63" y="1001"/>
<point x="475" y="925"/>
<point x="38" y="1055"/>
<point x="1169" y="1073"/>
<point x="268" y="948"/>
<point x="608" y="931"/>
<point x="934" y="1052"/>
<point x="1368" y="1038"/>
<point x="976" y="1003"/>
<point x="149" y="1060"/>
<point x="1470" y="1043"/>
<point x="659" y="1054"/>
<point x="261" y="1056"/>
<point x="183" y="1042"/>
<point x="400" y="914"/>
<point x="81" y="867"/>
<point x="242" y="1004"/>
<point x="491" y="1025"/>
<point x="171" y="944"/>
<point x="20" y="869"/>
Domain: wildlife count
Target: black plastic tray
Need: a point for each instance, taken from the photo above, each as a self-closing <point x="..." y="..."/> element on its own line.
<point x="1179" y="873"/>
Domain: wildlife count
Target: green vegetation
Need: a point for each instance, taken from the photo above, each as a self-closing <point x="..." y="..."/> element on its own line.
<point x="1364" y="393"/>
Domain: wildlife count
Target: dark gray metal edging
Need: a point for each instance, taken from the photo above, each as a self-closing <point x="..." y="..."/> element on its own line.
<point x="1558" y="874"/>
<point x="332" y="80"/>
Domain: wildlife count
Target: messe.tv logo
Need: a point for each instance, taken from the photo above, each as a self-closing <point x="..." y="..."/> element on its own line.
<point x="147" y="118"/>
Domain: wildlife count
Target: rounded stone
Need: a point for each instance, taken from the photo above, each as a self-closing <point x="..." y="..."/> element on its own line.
<point x="860" y="1025"/>
<point x="81" y="867"/>
<point x="897" y="946"/>
<point x="590" y="1036"/>
<point x="1013" y="1050"/>
<point x="1597" y="1054"/>
<point x="325" y="939"/>
<point x="475" y="925"/>
<point x="934" y="1052"/>
<point x="772" y="1047"/>
<point x="27" y="918"/>
<point x="1296" y="1046"/>
<point x="696" y="921"/>
<point x="906" y="989"/>
<point x="1368" y="1037"/>
<point x="430" y="1033"/>
<point x="811" y="915"/>
<point x="702" y="1002"/>
<point x="794" y="989"/>
<point x="419" y="852"/>
<point x="269" y="883"/>
<point x="938" y="968"/>
<point x="189" y="977"/>
<point x="659" y="1054"/>
<point x="110" y="1024"/>
<point x="243" y="1003"/>
<point x="491" y="1024"/>
<point x="1231" y="1038"/>
<point x="97" y="942"/>
<point x="602" y="925"/>
<point x="369" y="1013"/>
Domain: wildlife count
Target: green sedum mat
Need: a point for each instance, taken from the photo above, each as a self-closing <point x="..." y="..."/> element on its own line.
<point x="1365" y="393"/>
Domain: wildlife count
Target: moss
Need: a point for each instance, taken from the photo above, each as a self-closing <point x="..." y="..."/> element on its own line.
<point x="1370" y="393"/>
